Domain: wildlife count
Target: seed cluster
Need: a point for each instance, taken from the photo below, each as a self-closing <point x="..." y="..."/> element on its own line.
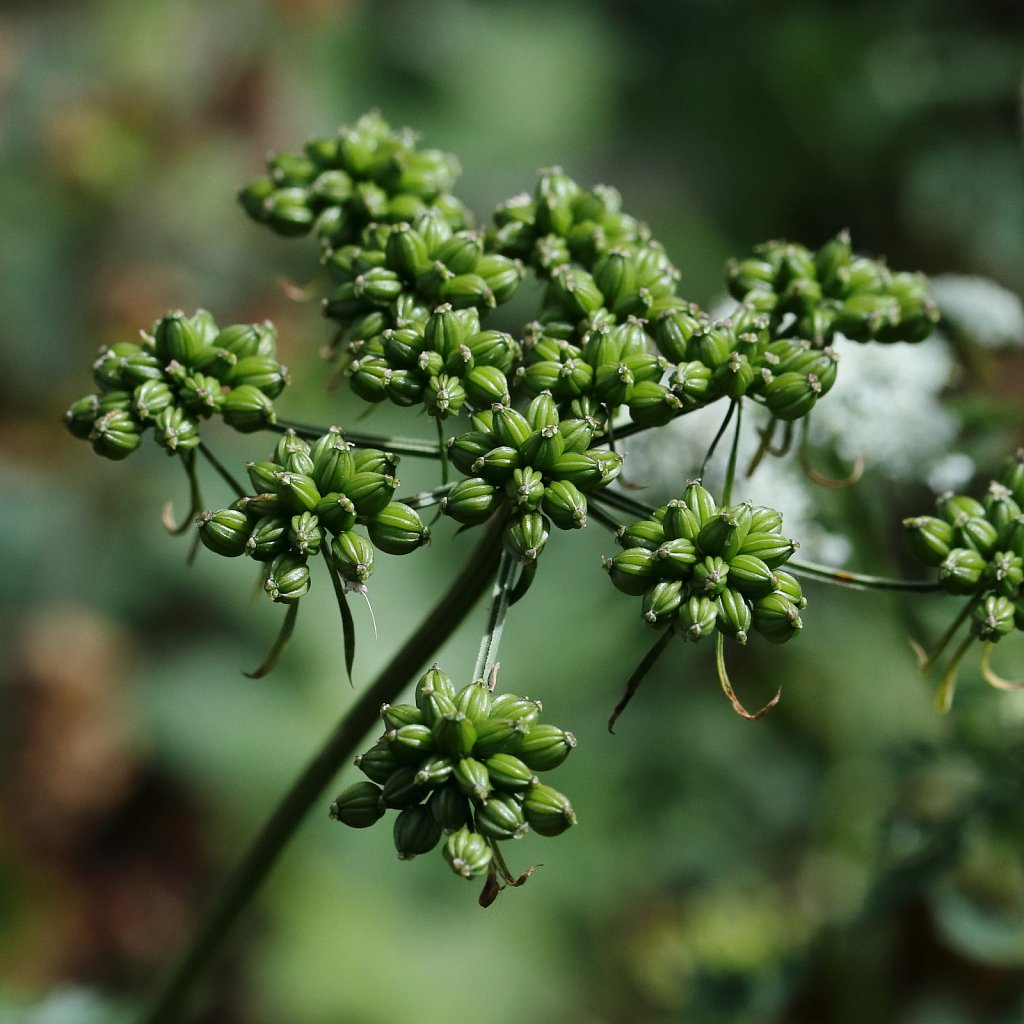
<point x="182" y="371"/>
<point x="702" y="567"/>
<point x="534" y="463"/>
<point x="439" y="359"/>
<point x="366" y="174"/>
<point x="978" y="548"/>
<point x="461" y="764"/>
<point x="818" y="294"/>
<point x="311" y="497"/>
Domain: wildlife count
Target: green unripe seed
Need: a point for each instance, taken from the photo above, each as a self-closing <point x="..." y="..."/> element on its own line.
<point x="500" y="817"/>
<point x="751" y="576"/>
<point x="286" y="578"/>
<point x="734" y="614"/>
<point x="770" y="548"/>
<point x="544" y="747"/>
<point x="247" y="409"/>
<point x="710" y="576"/>
<point x="633" y="571"/>
<point x="509" y="705"/>
<point x="225" y="532"/>
<point x="353" y="556"/>
<point x="81" y="415"/>
<point x="268" y="538"/>
<point x="434" y="694"/>
<point x="646" y="533"/>
<point x="962" y="570"/>
<point x="547" y="811"/>
<point x="411" y="742"/>
<point x="928" y="538"/>
<point x="402" y="789"/>
<point x="336" y="512"/>
<point x="470" y="501"/>
<point x="472" y="778"/>
<point x="395" y="716"/>
<point x="416" y="831"/>
<point x="993" y="618"/>
<point x="497" y="735"/>
<point x="468" y="853"/>
<point x="172" y="429"/>
<point x="525" y="536"/>
<point x="978" y="533"/>
<point x="115" y="435"/>
<point x="453" y="733"/>
<point x="700" y="502"/>
<point x="378" y="763"/>
<point x="776" y="618"/>
<point x="397" y="529"/>
<point x="450" y="809"/>
<point x="359" y="806"/>
<point x="566" y="506"/>
<point x="474" y="701"/>
<point x="297" y="491"/>
<point x="661" y="602"/>
<point x="525" y="489"/>
<point x="696" y="619"/>
<point x="508" y="772"/>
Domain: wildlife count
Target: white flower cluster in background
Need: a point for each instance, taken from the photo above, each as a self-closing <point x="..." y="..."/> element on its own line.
<point x="985" y="312"/>
<point x="886" y="408"/>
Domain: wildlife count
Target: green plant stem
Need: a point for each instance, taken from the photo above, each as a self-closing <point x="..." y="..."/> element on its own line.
<point x="399" y="445"/>
<point x="443" y="619"/>
<point x="490" y="642"/>
<point x="220" y="470"/>
<point x="718" y="437"/>
<point x="858" y="580"/>
<point x="730" y="471"/>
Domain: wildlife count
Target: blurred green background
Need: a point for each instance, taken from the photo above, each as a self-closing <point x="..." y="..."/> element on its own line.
<point x="851" y="857"/>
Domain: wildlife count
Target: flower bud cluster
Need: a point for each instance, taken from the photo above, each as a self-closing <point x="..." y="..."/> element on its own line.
<point x="426" y="262"/>
<point x="440" y="359"/>
<point x="978" y="549"/>
<point x="614" y="329"/>
<point x="309" y="498"/>
<point x="337" y="186"/>
<point x="702" y="567"/>
<point x="818" y="294"/>
<point x="565" y="226"/>
<point x="536" y="464"/>
<point x="184" y="370"/>
<point x="698" y="361"/>
<point x="460" y="764"/>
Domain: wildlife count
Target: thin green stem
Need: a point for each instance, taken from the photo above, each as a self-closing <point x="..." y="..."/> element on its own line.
<point x="440" y="623"/>
<point x="220" y="469"/>
<point x="928" y="660"/>
<point x="947" y="685"/>
<point x="424" y="499"/>
<point x="730" y="693"/>
<point x="859" y="580"/>
<point x="348" y="629"/>
<point x="195" y="498"/>
<point x="730" y="469"/>
<point x="399" y="445"/>
<point x="491" y="640"/>
<point x="623" y="503"/>
<point x="718" y="437"/>
<point x="445" y="469"/>
<point x="639" y="675"/>
<point x="599" y="515"/>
